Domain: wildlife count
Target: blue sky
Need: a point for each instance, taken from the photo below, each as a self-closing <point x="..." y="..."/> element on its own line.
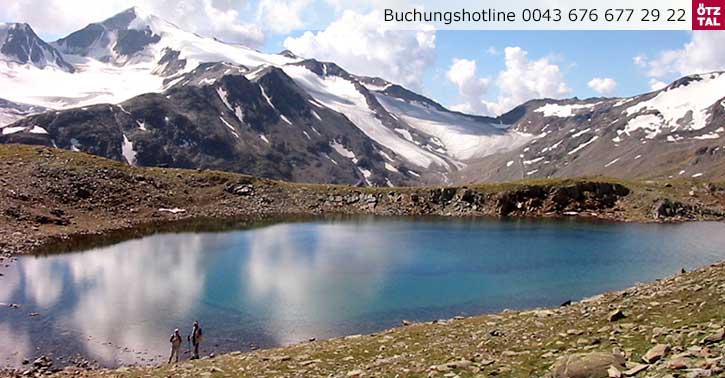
<point x="582" y="55"/>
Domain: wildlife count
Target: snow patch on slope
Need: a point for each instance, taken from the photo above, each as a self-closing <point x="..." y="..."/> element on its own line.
<point x="127" y="149"/>
<point x="650" y="123"/>
<point x="223" y="96"/>
<point x="583" y="145"/>
<point x="342" y="96"/>
<point x="562" y="111"/>
<point x="94" y="82"/>
<point x="342" y="150"/>
<point x="463" y="137"/>
<point x="694" y="99"/>
<point x="230" y="127"/>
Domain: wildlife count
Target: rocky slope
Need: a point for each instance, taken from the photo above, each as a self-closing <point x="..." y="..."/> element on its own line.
<point x="373" y="132"/>
<point x="19" y="45"/>
<point x="50" y="195"/>
<point x="384" y="135"/>
<point x="215" y="117"/>
<point x="673" y="132"/>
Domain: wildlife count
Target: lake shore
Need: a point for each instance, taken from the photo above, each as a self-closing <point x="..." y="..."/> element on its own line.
<point x="53" y="200"/>
<point x="668" y="328"/>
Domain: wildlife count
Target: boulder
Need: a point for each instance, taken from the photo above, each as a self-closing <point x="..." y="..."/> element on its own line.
<point x="616" y="315"/>
<point x="636" y="369"/>
<point x="715" y="338"/>
<point x="656" y="353"/>
<point x="587" y="365"/>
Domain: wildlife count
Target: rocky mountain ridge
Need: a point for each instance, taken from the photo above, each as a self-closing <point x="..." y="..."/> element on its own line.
<point x="373" y="132"/>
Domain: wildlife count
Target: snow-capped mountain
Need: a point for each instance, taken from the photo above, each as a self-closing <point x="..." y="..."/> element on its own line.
<point x="135" y="36"/>
<point x="673" y="132"/>
<point x="124" y="56"/>
<point x="145" y="92"/>
<point x="19" y="45"/>
<point x="382" y="134"/>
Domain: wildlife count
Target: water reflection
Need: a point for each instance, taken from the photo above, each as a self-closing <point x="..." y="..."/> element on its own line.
<point x="115" y="300"/>
<point x="131" y="284"/>
<point x="45" y="286"/>
<point x="293" y="286"/>
<point x="288" y="282"/>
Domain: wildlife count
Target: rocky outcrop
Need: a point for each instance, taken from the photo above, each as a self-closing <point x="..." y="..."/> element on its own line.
<point x="667" y="209"/>
<point x="583" y="196"/>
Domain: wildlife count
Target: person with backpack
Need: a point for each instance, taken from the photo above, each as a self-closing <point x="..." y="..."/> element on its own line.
<point x="175" y="341"/>
<point x="195" y="337"/>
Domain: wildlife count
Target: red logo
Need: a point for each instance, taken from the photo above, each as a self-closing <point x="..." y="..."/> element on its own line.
<point x="708" y="14"/>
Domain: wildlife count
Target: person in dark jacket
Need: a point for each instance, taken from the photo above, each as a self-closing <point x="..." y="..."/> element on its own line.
<point x="195" y="337"/>
<point x="175" y="341"/>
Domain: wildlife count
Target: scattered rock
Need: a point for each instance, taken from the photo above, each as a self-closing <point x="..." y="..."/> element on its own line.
<point x="714" y="338"/>
<point x="462" y="364"/>
<point x="677" y="363"/>
<point x="587" y="365"/>
<point x="215" y="369"/>
<point x="656" y="353"/>
<point x="495" y="333"/>
<point x="613" y="372"/>
<point x="616" y="315"/>
<point x="636" y="369"/>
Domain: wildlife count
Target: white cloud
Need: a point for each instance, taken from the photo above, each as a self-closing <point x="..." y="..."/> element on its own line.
<point x="703" y="53"/>
<point x="640" y="60"/>
<point x="361" y="44"/>
<point x="281" y="16"/>
<point x="217" y="18"/>
<point x="522" y="80"/>
<point x="491" y="50"/>
<point x="656" y="85"/>
<point x="603" y="85"/>
<point x="463" y="74"/>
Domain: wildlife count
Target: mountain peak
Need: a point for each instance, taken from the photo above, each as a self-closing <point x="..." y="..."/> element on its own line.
<point x="19" y="44"/>
<point x="5" y="26"/>
<point x="114" y="39"/>
<point x="135" y="17"/>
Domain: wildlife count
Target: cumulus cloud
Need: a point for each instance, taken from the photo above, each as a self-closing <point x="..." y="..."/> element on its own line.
<point x="640" y="60"/>
<point x="523" y="79"/>
<point x="281" y="16"/>
<point x="362" y="44"/>
<point x="603" y="85"/>
<point x="213" y="18"/>
<point x="463" y="74"/>
<point x="704" y="53"/>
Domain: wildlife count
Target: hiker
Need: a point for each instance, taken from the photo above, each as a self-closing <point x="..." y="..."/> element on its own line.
<point x="195" y="339"/>
<point x="175" y="341"/>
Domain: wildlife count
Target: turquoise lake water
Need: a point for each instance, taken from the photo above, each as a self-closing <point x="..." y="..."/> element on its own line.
<point x="290" y="282"/>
